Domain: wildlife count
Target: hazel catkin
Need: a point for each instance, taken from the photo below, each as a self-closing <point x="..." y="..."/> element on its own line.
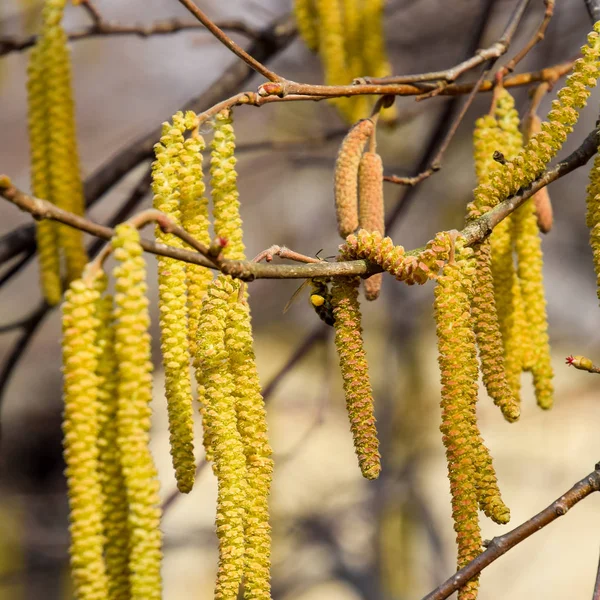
<point x="346" y="176"/>
<point x="132" y="349"/>
<point x="355" y="374"/>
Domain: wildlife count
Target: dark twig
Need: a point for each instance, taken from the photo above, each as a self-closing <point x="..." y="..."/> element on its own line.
<point x="596" y="595"/>
<point x="17" y="266"/>
<point x="502" y="544"/>
<point x="593" y="8"/>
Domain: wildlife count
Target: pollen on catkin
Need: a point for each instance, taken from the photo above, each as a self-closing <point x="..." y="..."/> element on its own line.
<point x="371" y="209"/>
<point x="225" y="196"/>
<point x="115" y="507"/>
<point x="225" y="440"/>
<point x="132" y="350"/>
<point x="458" y="367"/>
<point x="346" y="176"/>
<point x="172" y="289"/>
<point x="593" y="216"/>
<point x="252" y="425"/>
<point x="80" y="428"/>
<point x="355" y="374"/>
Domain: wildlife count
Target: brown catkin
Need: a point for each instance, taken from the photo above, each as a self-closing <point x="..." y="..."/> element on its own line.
<point x="355" y="374"/>
<point x="346" y="176"/>
<point x="371" y="209"/>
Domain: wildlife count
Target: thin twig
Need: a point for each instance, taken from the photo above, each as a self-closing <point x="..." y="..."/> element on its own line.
<point x="596" y="595"/>
<point x="229" y="43"/>
<point x="493" y="52"/>
<point x="502" y="544"/>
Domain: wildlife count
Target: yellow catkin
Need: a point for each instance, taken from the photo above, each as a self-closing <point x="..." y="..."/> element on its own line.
<point x="593" y="216"/>
<point x="458" y="368"/>
<point x="66" y="187"/>
<point x="410" y="268"/>
<point x="226" y="445"/>
<point x="226" y="205"/>
<point x="371" y="209"/>
<point x="132" y="349"/>
<point x="488" y="307"/>
<point x="194" y="218"/>
<point x="529" y="255"/>
<point x="115" y="506"/>
<point x="306" y="20"/>
<point x="531" y="161"/>
<point x="346" y="176"/>
<point x="80" y="428"/>
<point x="172" y="288"/>
<point x="355" y="374"/>
<point x="46" y="230"/>
<point x="252" y="425"/>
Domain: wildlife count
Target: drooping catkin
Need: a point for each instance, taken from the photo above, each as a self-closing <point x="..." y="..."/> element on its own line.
<point x="355" y="374"/>
<point x="306" y="20"/>
<point x="457" y="357"/>
<point x="115" y="508"/>
<point x="488" y="320"/>
<point x="172" y="288"/>
<point x="194" y="219"/>
<point x="46" y="230"/>
<point x="132" y="350"/>
<point x="346" y="176"/>
<point x="371" y="209"/>
<point x="225" y="196"/>
<point x="65" y="184"/>
<point x="226" y="447"/>
<point x="252" y="425"/>
<point x="531" y="161"/>
<point x="80" y="428"/>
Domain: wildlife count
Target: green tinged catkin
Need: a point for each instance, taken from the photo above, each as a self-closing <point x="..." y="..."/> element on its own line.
<point x="115" y="506"/>
<point x="346" y="176"/>
<point x="355" y="374"/>
<point x="225" y="196"/>
<point x="252" y="425"/>
<point x="80" y="428"/>
<point x="54" y="158"/>
<point x="132" y="350"/>
<point x="226" y="443"/>
<point x="172" y="288"/>
<point x="371" y="209"/>
<point x="306" y="20"/>
<point x="488" y="319"/>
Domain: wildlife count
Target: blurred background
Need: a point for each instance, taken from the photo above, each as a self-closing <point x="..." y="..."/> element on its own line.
<point x="336" y="536"/>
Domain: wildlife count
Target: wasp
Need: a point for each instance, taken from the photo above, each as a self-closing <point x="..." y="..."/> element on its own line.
<point x="320" y="298"/>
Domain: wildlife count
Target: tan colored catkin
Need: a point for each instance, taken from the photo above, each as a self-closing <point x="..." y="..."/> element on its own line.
<point x="346" y="176"/>
<point x="371" y="209"/>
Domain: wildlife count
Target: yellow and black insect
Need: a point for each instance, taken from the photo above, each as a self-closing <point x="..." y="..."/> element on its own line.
<point x="320" y="298"/>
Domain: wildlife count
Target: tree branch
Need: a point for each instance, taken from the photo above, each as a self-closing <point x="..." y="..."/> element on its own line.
<point x="502" y="544"/>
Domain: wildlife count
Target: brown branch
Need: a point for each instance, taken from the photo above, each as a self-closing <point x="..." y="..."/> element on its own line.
<point x="10" y="44"/>
<point x="502" y="544"/>
<point x="493" y="52"/>
<point x="229" y="43"/>
<point x="475" y="231"/>
<point x="596" y="595"/>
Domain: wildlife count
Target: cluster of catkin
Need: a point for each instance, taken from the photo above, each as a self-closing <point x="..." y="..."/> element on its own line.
<point x="55" y="173"/>
<point x="348" y="35"/>
<point x="113" y="485"/>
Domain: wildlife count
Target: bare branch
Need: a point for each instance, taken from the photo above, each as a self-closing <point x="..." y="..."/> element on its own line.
<point x="502" y="544"/>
